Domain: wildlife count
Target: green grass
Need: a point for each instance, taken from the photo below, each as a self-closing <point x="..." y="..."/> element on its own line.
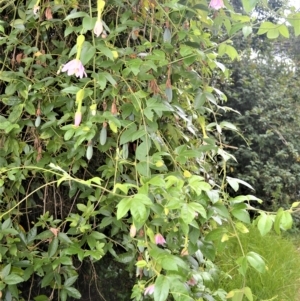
<point x="282" y="278"/>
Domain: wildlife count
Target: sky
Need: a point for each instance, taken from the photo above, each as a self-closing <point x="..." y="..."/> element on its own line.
<point x="295" y="3"/>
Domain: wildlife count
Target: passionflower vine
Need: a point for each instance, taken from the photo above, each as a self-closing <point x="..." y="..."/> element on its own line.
<point x="74" y="67"/>
<point x="149" y="290"/>
<point x="159" y="239"/>
<point x="216" y="4"/>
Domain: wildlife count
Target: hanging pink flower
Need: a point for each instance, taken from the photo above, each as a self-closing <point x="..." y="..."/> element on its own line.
<point x="159" y="239"/>
<point x="149" y="290"/>
<point x="98" y="29"/>
<point x="216" y="4"/>
<point x="74" y="67"/>
<point x="77" y="119"/>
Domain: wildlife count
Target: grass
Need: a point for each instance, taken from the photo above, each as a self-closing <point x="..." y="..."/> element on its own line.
<point x="282" y="279"/>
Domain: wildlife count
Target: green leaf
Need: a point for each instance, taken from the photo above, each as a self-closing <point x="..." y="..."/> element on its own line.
<point x="87" y="53"/>
<point x="162" y="287"/>
<point x="187" y="214"/>
<point x="264" y="224"/>
<point x="127" y="134"/>
<point x="88" y="23"/>
<point x="197" y="208"/>
<point x="256" y="262"/>
<point x="123" y="207"/>
<point x="286" y="220"/>
<point x="249" y="5"/>
<point x="273" y="33"/>
<point x="284" y="31"/>
<point x="248" y="293"/>
<point x="76" y="15"/>
<point x="53" y="247"/>
<point x="234" y="183"/>
<point x="242" y="215"/>
<point x="12" y="279"/>
<point x="247" y="30"/>
<point x="5" y="271"/>
<point x="139" y="213"/>
<point x="73" y="292"/>
<point x="243" y="265"/>
<point x="265" y="27"/>
<point x="70" y="281"/>
<point x="294" y="20"/>
<point x="64" y="238"/>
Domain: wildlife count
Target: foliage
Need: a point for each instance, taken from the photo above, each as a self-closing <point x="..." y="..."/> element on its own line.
<point x="281" y="280"/>
<point x="141" y="174"/>
<point x="265" y="93"/>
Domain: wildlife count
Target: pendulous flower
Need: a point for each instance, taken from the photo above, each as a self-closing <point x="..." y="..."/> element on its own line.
<point x="149" y="290"/>
<point x="98" y="29"/>
<point x="159" y="239"/>
<point x="74" y="67"/>
<point x="216" y="4"/>
<point x="36" y="8"/>
<point x="77" y="119"/>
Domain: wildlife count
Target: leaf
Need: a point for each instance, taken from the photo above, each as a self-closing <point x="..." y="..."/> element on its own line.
<point x="284" y="31"/>
<point x="162" y="287"/>
<point x="12" y="279"/>
<point x="294" y="20"/>
<point x="123" y="207"/>
<point x="139" y="213"/>
<point x="234" y="183"/>
<point x="73" y="292"/>
<point x="70" y="281"/>
<point x="264" y="224"/>
<point x="277" y="221"/>
<point x="187" y="214"/>
<point x="242" y="215"/>
<point x="249" y="5"/>
<point x="5" y="271"/>
<point x="127" y="134"/>
<point x="286" y="220"/>
<point x="248" y="293"/>
<point x="53" y="247"/>
<point x="247" y="30"/>
<point x="76" y="15"/>
<point x="197" y="208"/>
<point x="256" y="262"/>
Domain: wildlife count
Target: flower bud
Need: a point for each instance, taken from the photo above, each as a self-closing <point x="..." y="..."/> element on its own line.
<point x="77" y="119"/>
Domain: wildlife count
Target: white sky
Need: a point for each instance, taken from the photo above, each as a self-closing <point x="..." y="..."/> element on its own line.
<point x="295" y="3"/>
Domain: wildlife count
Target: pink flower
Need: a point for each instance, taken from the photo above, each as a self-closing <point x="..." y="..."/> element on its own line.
<point x="159" y="239"/>
<point x="192" y="282"/>
<point x="216" y="4"/>
<point x="149" y="290"/>
<point x="74" y="67"/>
<point x="77" y="118"/>
<point x="98" y="29"/>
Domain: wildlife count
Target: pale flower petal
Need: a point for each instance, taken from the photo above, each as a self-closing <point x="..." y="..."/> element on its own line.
<point x="216" y="4"/>
<point x="36" y="8"/>
<point x="98" y="29"/>
<point x="149" y="290"/>
<point x="74" y="67"/>
<point x="159" y="239"/>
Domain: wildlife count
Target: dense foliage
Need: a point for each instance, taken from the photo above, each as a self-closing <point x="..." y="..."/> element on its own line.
<point x="107" y="147"/>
